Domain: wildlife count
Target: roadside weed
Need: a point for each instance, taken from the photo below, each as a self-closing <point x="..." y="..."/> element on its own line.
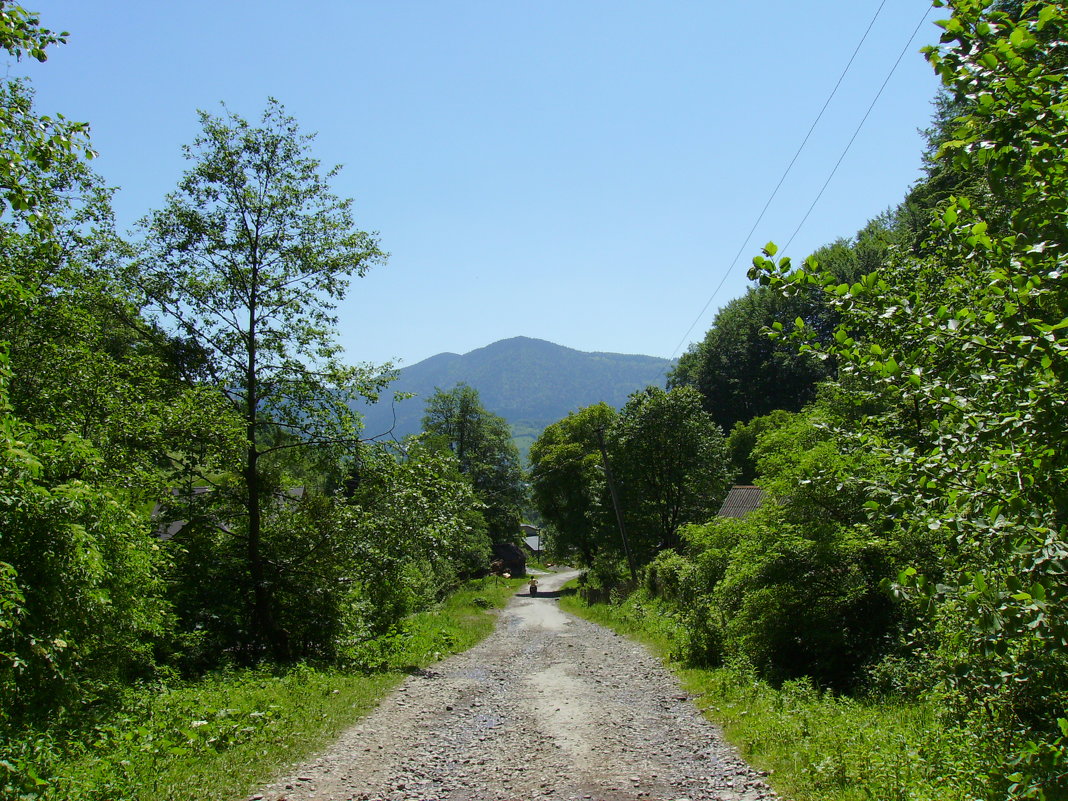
<point x="226" y="734"/>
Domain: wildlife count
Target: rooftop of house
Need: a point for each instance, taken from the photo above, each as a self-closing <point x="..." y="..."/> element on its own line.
<point x="740" y="501"/>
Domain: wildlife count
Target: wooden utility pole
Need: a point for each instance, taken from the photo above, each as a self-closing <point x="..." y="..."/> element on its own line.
<point x="615" y="504"/>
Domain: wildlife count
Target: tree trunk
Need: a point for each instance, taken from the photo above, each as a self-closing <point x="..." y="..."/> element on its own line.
<point x="264" y="630"/>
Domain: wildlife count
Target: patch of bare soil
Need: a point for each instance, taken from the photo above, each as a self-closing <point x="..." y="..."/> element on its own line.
<point x="548" y="707"/>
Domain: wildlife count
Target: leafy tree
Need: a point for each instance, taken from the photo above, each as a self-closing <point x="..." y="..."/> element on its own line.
<point x="742" y="374"/>
<point x="483" y="447"/>
<point x="246" y="260"/>
<point x="965" y="349"/>
<point x="83" y="358"/>
<point x="796" y="587"/>
<point x="420" y="531"/>
<point x="567" y="482"/>
<point x="33" y="142"/>
<point x="80" y="608"/>
<point x="803" y="594"/>
<point x="670" y="459"/>
<point x="743" y="439"/>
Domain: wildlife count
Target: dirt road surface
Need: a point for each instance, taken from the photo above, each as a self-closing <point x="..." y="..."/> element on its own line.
<point x="548" y="707"/>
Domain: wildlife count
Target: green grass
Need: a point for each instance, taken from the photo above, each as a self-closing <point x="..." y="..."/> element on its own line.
<point x="815" y="746"/>
<point x="225" y="735"/>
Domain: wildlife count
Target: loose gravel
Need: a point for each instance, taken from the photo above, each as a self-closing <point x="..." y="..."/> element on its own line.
<point x="547" y="707"/>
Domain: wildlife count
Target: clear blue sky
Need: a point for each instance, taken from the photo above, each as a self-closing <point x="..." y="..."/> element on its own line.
<point x="581" y="171"/>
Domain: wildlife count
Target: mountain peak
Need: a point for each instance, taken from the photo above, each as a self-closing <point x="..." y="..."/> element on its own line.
<point x="522" y="343"/>
<point x="529" y="382"/>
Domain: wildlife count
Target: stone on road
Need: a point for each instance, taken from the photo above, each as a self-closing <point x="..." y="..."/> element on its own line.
<point x="548" y="707"/>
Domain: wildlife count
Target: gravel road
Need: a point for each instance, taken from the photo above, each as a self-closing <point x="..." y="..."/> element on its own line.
<point x="547" y="707"/>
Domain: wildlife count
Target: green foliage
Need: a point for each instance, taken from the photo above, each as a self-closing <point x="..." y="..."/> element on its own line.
<point x="481" y="441"/>
<point x="963" y="350"/>
<point x="740" y="373"/>
<point x="743" y="438"/>
<point x="818" y="745"/>
<point x="797" y="604"/>
<point x="36" y="142"/>
<point x="246" y="261"/>
<point x="80" y="608"/>
<point x="793" y="589"/>
<point x="567" y="482"/>
<point x="82" y="358"/>
<point x="345" y="569"/>
<point x="419" y="533"/>
<point x="670" y="459"/>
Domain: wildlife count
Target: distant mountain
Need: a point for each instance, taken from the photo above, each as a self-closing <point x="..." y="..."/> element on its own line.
<point x="529" y="382"/>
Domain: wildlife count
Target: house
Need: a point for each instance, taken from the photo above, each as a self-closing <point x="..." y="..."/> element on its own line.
<point x="531" y="538"/>
<point x="166" y="529"/>
<point x="740" y="501"/>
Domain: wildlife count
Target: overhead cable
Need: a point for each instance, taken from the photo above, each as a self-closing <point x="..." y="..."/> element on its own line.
<point x="864" y="119"/>
<point x="786" y="172"/>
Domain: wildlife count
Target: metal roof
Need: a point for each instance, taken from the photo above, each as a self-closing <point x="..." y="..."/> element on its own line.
<point x="740" y="501"/>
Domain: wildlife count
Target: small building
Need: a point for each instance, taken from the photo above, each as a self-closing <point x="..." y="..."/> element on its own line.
<point x="167" y="528"/>
<point x="531" y="538"/>
<point x="740" y="501"/>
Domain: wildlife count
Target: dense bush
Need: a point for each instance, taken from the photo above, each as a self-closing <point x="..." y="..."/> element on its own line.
<point x="794" y="606"/>
<point x="80" y="610"/>
<point x="343" y="567"/>
<point x="796" y="587"/>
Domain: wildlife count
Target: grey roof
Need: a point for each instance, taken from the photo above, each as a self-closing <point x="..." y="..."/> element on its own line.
<point x="534" y="543"/>
<point x="740" y="501"/>
<point x="165" y="530"/>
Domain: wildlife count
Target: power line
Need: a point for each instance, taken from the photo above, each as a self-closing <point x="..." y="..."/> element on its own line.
<point x="864" y="119"/>
<point x="786" y="172"/>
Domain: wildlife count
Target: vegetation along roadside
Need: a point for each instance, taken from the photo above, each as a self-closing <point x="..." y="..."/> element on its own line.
<point x="889" y="620"/>
<point x="229" y="732"/>
<point x="815" y="745"/>
<point x="892" y="609"/>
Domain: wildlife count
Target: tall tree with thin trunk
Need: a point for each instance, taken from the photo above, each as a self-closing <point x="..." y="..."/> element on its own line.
<point x="247" y="259"/>
<point x="482" y="443"/>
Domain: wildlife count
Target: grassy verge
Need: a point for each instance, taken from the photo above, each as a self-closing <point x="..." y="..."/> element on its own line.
<point x="228" y="734"/>
<point x="816" y="746"/>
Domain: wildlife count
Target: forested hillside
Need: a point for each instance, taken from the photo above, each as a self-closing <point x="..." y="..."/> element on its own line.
<point x="528" y="382"/>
